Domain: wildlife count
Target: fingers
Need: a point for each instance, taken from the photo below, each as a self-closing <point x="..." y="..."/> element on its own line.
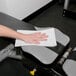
<point x="36" y="38"/>
<point x="33" y="41"/>
<point x="40" y="36"/>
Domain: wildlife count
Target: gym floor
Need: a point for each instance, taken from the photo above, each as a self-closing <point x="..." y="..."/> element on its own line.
<point x="52" y="17"/>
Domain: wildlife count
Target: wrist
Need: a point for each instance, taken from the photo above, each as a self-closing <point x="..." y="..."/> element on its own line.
<point x="23" y="37"/>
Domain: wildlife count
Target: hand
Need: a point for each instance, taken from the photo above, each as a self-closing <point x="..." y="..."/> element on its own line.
<point x="35" y="38"/>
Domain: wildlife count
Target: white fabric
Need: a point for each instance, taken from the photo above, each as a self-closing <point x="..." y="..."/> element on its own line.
<point x="50" y="42"/>
<point x="60" y="36"/>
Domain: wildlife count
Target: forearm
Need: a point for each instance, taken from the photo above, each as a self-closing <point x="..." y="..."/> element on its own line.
<point x="8" y="32"/>
<point x="29" y="38"/>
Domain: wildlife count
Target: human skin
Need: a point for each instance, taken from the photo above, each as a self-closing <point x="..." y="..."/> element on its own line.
<point x="29" y="38"/>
